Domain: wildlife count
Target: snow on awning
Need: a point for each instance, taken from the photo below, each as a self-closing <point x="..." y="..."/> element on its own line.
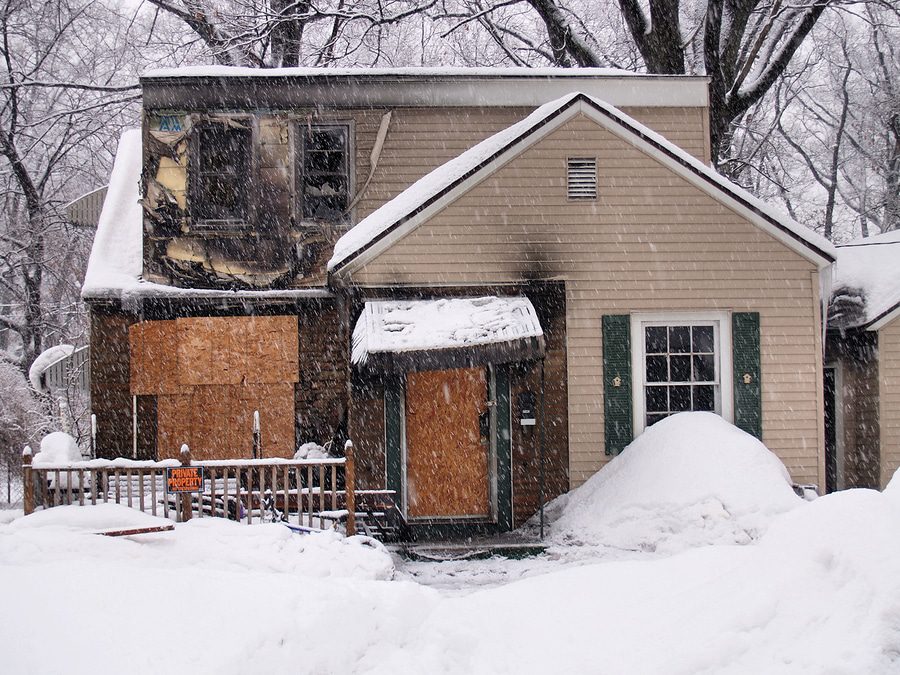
<point x="405" y="335"/>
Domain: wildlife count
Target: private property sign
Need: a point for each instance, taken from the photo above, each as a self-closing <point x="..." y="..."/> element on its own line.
<point x="184" y="479"/>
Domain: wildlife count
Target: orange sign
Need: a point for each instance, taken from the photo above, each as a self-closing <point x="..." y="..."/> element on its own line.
<point x="184" y="479"/>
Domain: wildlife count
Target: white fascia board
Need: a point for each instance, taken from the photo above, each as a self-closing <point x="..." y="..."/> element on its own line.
<point x="359" y="261"/>
<point x="714" y="189"/>
<point x="885" y="319"/>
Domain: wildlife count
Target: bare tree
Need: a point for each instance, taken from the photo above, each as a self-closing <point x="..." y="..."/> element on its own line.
<point x="61" y="106"/>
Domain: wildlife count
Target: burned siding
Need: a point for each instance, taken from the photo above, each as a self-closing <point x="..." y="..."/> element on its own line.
<point x="856" y="355"/>
<point x="110" y="396"/>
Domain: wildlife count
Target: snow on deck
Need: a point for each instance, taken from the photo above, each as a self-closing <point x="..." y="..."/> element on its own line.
<point x="871" y="266"/>
<point x="443" y="177"/>
<point x="450" y="323"/>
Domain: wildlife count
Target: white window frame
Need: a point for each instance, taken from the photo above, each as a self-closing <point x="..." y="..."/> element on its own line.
<point x="722" y="332"/>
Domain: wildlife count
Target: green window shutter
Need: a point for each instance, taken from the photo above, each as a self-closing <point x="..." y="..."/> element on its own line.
<point x="617" y="411"/>
<point x="504" y="448"/>
<point x="747" y="372"/>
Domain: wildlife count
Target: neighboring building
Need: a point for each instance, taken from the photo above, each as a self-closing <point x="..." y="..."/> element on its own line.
<point x="862" y="365"/>
<point x="489" y="282"/>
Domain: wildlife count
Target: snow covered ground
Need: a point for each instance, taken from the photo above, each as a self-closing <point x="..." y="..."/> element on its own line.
<point x="708" y="572"/>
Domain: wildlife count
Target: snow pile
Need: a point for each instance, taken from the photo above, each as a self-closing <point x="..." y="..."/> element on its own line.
<point x="690" y="480"/>
<point x="869" y="268"/>
<point x="90" y="519"/>
<point x="311" y="451"/>
<point x="116" y="259"/>
<point x="820" y="592"/>
<point x="46" y="359"/>
<point x="58" y="448"/>
<point x="413" y="71"/>
<point x="418" y="325"/>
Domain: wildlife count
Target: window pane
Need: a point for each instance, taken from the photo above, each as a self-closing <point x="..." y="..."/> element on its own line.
<point x="653" y="419"/>
<point x="657" y="369"/>
<point x="702" y="338"/>
<point x="705" y="397"/>
<point x="219" y="187"/>
<point x="704" y="368"/>
<point x="657" y="399"/>
<point x="680" y="369"/>
<point x="655" y="340"/>
<point x="325" y="173"/>
<point x="680" y="339"/>
<point x="679" y="398"/>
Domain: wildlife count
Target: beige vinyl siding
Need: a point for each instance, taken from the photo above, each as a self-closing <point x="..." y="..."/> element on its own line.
<point x="889" y="398"/>
<point x="421" y="139"/>
<point x="651" y="242"/>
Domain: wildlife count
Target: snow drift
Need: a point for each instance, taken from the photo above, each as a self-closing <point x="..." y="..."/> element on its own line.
<point x="690" y="480"/>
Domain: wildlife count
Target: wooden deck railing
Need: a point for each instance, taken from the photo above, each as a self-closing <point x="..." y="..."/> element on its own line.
<point x="312" y="493"/>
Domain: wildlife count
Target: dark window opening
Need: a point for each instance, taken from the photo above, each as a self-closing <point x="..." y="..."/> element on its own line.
<point x="680" y="370"/>
<point x="220" y="179"/>
<point x="326" y="172"/>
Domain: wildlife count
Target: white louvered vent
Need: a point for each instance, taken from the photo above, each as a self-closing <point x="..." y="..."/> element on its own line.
<point x="582" y="177"/>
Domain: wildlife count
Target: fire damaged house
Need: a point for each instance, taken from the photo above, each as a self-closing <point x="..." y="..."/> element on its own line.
<point x="862" y="365"/>
<point x="491" y="280"/>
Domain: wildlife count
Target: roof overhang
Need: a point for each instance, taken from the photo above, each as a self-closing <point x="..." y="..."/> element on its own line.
<point x="217" y="87"/>
<point x="410" y="335"/>
<point x="793" y="235"/>
<point x="884" y="318"/>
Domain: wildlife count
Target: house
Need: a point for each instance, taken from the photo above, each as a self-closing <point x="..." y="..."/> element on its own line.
<point x="491" y="280"/>
<point x="862" y="375"/>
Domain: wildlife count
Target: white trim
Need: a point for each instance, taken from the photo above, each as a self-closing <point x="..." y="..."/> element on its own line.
<point x="623" y="127"/>
<point x="723" y="345"/>
<point x="885" y="320"/>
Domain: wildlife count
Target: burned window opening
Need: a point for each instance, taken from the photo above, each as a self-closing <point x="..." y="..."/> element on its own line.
<point x="219" y="195"/>
<point x="325" y="172"/>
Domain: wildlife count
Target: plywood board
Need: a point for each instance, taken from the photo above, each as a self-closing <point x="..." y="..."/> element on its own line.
<point x="173" y="427"/>
<point x="154" y="358"/>
<point x="204" y="346"/>
<point x="270" y="346"/>
<point x="447" y="459"/>
<point x="275" y="403"/>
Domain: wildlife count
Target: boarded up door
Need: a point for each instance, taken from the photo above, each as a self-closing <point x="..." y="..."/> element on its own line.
<point x="446" y="455"/>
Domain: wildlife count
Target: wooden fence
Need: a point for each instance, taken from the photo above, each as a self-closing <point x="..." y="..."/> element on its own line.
<point x="314" y="493"/>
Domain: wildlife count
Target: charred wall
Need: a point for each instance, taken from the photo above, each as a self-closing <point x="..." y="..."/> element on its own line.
<point x="856" y="353"/>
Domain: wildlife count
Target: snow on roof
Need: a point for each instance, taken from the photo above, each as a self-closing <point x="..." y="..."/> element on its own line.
<point x="870" y="267"/>
<point x="450" y="323"/>
<point x="46" y="359"/>
<point x="511" y="140"/>
<point x="116" y="256"/>
<point x="436" y="72"/>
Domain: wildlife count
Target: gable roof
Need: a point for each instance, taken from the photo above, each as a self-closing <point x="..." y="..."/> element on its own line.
<point x="396" y="218"/>
<point x="867" y="274"/>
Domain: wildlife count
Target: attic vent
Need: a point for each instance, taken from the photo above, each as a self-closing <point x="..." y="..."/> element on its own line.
<point x="582" y="177"/>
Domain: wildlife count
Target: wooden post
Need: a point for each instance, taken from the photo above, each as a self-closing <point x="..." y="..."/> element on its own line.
<point x="257" y="437"/>
<point x="27" y="481"/>
<point x="185" y="496"/>
<point x="349" y="487"/>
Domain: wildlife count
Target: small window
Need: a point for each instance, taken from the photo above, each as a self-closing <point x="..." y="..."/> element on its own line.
<point x="326" y="172"/>
<point x="219" y="182"/>
<point x="581" y="177"/>
<point x="680" y="365"/>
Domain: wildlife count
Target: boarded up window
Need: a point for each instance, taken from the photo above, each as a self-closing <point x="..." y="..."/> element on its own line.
<point x="581" y="177"/>
<point x="209" y="374"/>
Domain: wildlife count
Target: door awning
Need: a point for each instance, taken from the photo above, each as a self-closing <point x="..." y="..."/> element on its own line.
<point x="409" y="335"/>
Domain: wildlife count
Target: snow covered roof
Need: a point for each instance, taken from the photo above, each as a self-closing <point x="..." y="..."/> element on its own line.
<point x="867" y="274"/>
<point x="456" y="326"/>
<point x="432" y="192"/>
<point x="411" y="72"/>
<point x="116" y="259"/>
